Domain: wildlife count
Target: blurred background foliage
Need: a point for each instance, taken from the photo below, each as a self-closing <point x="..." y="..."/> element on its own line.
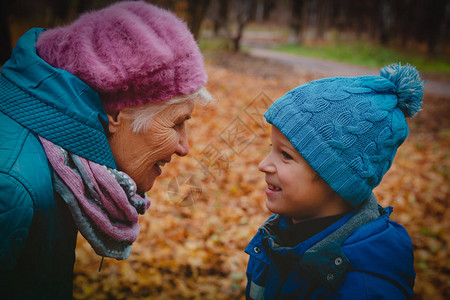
<point x="363" y="32"/>
<point x="195" y="251"/>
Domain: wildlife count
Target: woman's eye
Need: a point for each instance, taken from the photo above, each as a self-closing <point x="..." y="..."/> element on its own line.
<point x="179" y="125"/>
<point x="286" y="155"/>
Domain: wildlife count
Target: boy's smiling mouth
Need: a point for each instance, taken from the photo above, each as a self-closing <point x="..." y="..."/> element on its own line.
<point x="273" y="187"/>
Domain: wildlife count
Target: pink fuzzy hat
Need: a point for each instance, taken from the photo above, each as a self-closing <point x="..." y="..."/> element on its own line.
<point x="131" y="53"/>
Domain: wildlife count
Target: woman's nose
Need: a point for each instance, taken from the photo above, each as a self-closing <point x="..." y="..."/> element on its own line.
<point x="183" y="145"/>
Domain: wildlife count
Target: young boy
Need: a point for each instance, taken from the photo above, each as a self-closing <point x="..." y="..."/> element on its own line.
<point x="332" y="141"/>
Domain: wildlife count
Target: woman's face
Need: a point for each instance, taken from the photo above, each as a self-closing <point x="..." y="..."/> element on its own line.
<point x="141" y="155"/>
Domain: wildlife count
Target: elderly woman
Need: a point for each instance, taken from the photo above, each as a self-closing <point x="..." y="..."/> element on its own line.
<point x="89" y="114"/>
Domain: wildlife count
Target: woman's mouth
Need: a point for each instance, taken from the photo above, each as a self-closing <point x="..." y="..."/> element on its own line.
<point x="158" y="165"/>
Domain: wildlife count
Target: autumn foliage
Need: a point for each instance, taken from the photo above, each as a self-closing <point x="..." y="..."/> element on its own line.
<point x="206" y="207"/>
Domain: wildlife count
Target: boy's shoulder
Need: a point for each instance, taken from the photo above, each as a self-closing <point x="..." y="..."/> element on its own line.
<point x="381" y="257"/>
<point x="379" y="238"/>
<point x="365" y="250"/>
<point x="378" y="229"/>
<point x="382" y="247"/>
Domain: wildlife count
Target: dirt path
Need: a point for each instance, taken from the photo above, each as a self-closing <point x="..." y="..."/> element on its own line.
<point x="325" y="68"/>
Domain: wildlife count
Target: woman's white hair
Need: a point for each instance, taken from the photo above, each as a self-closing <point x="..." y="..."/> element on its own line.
<point x="142" y="116"/>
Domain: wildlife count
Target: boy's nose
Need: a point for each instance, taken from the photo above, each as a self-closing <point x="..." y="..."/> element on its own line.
<point x="266" y="166"/>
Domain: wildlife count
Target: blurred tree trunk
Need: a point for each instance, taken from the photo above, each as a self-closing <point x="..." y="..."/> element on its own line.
<point x="221" y="17"/>
<point x="401" y="29"/>
<point x="295" y="23"/>
<point x="58" y="11"/>
<point x="436" y="19"/>
<point x="385" y="21"/>
<point x="5" y="35"/>
<point x="324" y="13"/>
<point x="259" y="10"/>
<point x="83" y="5"/>
<point x="341" y="19"/>
<point x="373" y="26"/>
<point x="232" y="17"/>
<point x="358" y="23"/>
<point x="443" y="30"/>
<point x="312" y="20"/>
<point x="243" y="16"/>
<point x="197" y="11"/>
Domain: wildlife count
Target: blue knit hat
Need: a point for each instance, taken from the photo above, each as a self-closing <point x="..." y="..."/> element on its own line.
<point x="349" y="128"/>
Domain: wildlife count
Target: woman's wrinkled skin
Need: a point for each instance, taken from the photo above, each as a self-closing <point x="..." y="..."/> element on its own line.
<point x="141" y="155"/>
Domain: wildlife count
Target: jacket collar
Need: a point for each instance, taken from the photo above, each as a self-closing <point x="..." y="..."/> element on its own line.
<point x="325" y="260"/>
<point x="321" y="255"/>
<point x="53" y="103"/>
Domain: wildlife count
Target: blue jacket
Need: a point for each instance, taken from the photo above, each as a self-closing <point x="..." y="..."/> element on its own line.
<point x="362" y="256"/>
<point x="37" y="233"/>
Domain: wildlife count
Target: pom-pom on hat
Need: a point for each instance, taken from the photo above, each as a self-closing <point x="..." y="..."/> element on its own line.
<point x="349" y="128"/>
<point x="131" y="53"/>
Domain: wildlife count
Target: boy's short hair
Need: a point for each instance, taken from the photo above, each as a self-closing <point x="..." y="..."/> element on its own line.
<point x="349" y="128"/>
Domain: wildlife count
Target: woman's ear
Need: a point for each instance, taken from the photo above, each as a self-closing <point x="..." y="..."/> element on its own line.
<point x="115" y="120"/>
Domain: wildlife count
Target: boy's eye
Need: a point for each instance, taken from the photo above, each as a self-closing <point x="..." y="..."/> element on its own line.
<point x="286" y="155"/>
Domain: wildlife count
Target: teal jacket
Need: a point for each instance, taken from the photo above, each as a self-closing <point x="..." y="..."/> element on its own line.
<point x="37" y="233"/>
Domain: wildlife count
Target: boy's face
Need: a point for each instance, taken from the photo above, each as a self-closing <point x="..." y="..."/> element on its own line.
<point x="293" y="188"/>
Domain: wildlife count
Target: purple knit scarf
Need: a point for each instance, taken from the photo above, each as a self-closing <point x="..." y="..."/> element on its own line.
<point x="103" y="201"/>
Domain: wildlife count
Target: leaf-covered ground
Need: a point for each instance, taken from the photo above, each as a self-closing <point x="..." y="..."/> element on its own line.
<point x="206" y="207"/>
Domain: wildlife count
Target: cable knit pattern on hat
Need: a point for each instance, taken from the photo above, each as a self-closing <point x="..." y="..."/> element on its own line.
<point x="131" y="53"/>
<point x="349" y="129"/>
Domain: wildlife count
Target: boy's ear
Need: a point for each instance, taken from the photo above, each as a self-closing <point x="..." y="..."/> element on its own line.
<point x="115" y="120"/>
